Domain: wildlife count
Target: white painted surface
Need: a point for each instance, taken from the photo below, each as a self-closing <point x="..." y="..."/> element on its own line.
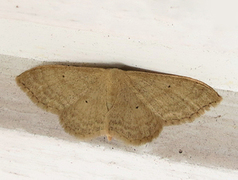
<point x="28" y="156"/>
<point x="191" y="38"/>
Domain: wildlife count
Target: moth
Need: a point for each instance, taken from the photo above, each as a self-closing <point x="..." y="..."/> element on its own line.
<point x="131" y="106"/>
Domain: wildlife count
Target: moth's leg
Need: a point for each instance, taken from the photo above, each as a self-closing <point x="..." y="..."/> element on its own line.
<point x="109" y="137"/>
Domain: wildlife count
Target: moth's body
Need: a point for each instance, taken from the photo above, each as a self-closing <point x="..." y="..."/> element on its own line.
<point x="128" y="105"/>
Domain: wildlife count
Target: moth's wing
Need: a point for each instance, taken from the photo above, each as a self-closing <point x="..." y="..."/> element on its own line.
<point x="74" y="93"/>
<point x="86" y="118"/>
<point x="130" y="119"/>
<point x="55" y="87"/>
<point x="175" y="99"/>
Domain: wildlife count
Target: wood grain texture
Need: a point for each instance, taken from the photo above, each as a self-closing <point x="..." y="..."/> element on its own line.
<point x="129" y="105"/>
